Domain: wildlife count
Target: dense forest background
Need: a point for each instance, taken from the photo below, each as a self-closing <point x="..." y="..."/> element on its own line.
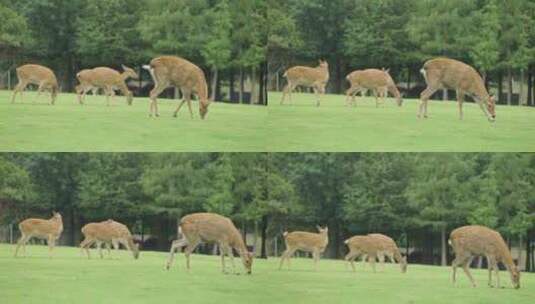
<point x="415" y="198"/>
<point x="227" y="38"/>
<point x="495" y="36"/>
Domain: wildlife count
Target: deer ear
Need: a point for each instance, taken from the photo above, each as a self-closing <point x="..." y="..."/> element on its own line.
<point x="318" y="227"/>
<point x="124" y="67"/>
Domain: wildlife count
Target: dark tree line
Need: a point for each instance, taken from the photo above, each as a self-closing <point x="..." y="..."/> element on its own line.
<point x="495" y="36"/>
<point x="227" y="38"/>
<point x="415" y="198"/>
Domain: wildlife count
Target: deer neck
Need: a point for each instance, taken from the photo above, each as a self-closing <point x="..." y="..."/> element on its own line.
<point x="124" y="76"/>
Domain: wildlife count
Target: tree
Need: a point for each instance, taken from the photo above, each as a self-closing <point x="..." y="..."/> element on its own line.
<point x="17" y="193"/>
<point x="217" y="50"/>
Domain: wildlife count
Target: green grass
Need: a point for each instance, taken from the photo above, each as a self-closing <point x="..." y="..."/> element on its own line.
<point x="301" y="126"/>
<point x="70" y="278"/>
<point x="70" y="127"/>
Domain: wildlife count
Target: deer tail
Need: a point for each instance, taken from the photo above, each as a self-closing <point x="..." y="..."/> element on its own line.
<point x="449" y="242"/>
<point x="424" y="73"/>
<point x="285" y="234"/>
<point x="346" y="241"/>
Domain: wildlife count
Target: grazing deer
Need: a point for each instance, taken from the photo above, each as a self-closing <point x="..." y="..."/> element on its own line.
<point x="169" y="71"/>
<point x="389" y="248"/>
<point x="445" y="73"/>
<point x="305" y="241"/>
<point x="471" y="241"/>
<point x="106" y="79"/>
<point x="50" y="230"/>
<point x="362" y="245"/>
<point x="379" y="81"/>
<point x="108" y="232"/>
<point x="210" y="228"/>
<point x="38" y="75"/>
<point x="315" y="78"/>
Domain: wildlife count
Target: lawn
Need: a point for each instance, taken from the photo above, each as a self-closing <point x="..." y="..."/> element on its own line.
<point x="301" y="126"/>
<point x="70" y="127"/>
<point x="70" y="278"/>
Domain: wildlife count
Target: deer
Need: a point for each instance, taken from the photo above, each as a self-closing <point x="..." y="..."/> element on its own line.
<point x="175" y="71"/>
<point x="315" y="78"/>
<point x="445" y="73"/>
<point x="379" y="81"/>
<point x="205" y="227"/>
<point x="107" y="79"/>
<point x="362" y="245"/>
<point x="470" y="241"/>
<point x="39" y="75"/>
<point x="107" y="232"/>
<point x="49" y="230"/>
<point x="305" y="241"/>
<point x="389" y="248"/>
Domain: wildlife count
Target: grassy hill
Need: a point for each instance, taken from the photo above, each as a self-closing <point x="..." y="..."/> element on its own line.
<point x="70" y="127"/>
<point x="71" y="278"/>
<point x="301" y="126"/>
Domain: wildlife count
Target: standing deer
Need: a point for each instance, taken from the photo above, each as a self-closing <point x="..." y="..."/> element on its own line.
<point x="169" y="71"/>
<point x="106" y="79"/>
<point x="389" y="248"/>
<point x="108" y="232"/>
<point x="445" y="73"/>
<point x="362" y="245"/>
<point x="38" y="75"/>
<point x="379" y="81"/>
<point x="315" y="78"/>
<point x="50" y="230"/>
<point x="210" y="228"/>
<point x="305" y="241"/>
<point x="471" y="241"/>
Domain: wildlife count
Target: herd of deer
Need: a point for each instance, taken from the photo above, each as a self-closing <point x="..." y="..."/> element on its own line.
<point x="467" y="242"/>
<point x="166" y="71"/>
<point x="439" y="73"/>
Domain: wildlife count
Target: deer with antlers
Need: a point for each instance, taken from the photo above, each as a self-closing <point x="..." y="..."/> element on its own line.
<point x="210" y="228"/>
<point x="445" y="73"/>
<point x="379" y="81"/>
<point x="174" y="71"/>
<point x="106" y="79"/>
<point x="316" y="78"/>
<point x="305" y="241"/>
<point x="49" y="230"/>
<point x="470" y="241"/>
<point x="39" y="75"/>
<point x="108" y="232"/>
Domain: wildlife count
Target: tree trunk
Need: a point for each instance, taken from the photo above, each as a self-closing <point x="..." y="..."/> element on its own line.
<point x="530" y="87"/>
<point x="521" y="100"/>
<point x="443" y="260"/>
<point x="520" y="249"/>
<point x="231" y="90"/>
<point x="408" y="79"/>
<point x="254" y="99"/>
<point x="500" y="86"/>
<point x="241" y="85"/>
<point x="263" y="249"/>
<point x="509" y="86"/>
<point x="214" y="83"/>
<point x="445" y="94"/>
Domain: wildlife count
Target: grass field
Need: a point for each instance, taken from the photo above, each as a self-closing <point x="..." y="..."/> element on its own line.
<point x="71" y="278"/>
<point x="70" y="127"/>
<point x="301" y="126"/>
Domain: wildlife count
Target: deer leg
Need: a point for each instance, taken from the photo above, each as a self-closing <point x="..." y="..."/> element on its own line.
<point x="189" y="249"/>
<point x="284" y="92"/>
<point x="222" y="252"/>
<point x="460" y="99"/>
<point x="381" y="257"/>
<point x="177" y="244"/>
<point x="51" y="242"/>
<point x="424" y="97"/>
<point x="84" y="246"/>
<point x="348" y="94"/>
<point x="40" y="89"/>
<point x="178" y="107"/>
<point x="231" y="256"/>
<point x="188" y="99"/>
<point x="467" y="271"/>
<point x="317" y="91"/>
<point x="316" y="256"/>
<point x="18" y="89"/>
<point x="22" y="242"/>
<point x="157" y="90"/>
<point x="283" y="257"/>
<point x="372" y="260"/>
